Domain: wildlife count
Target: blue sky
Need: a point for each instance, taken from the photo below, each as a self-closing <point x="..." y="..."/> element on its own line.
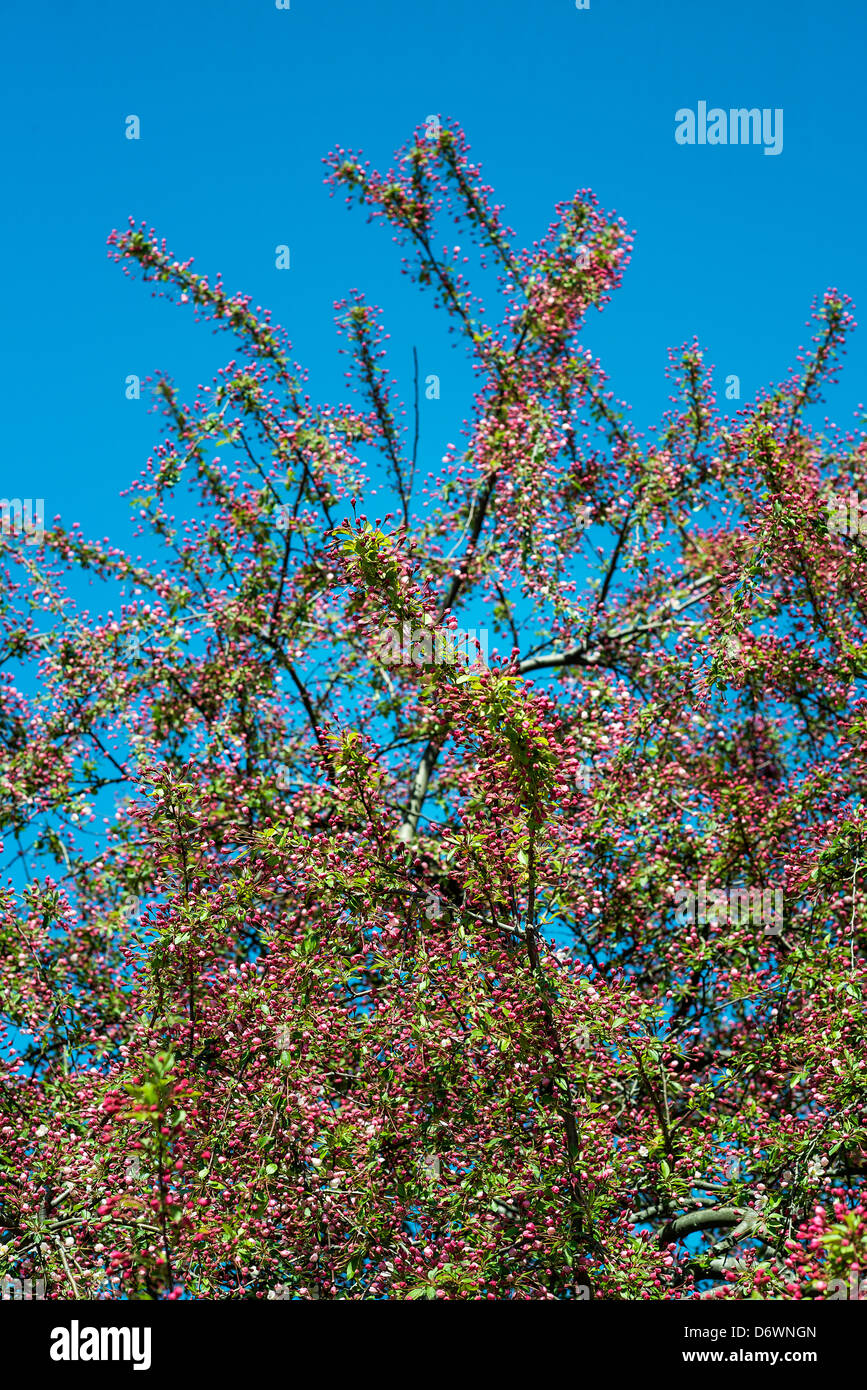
<point x="239" y="102"/>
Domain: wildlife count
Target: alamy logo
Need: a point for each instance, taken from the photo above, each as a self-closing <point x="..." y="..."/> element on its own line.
<point x="17" y="1290"/>
<point x="76" y="1343"/>
<point x="735" y="905"/>
<point x="25" y="518"/>
<point x="131" y="646"/>
<point x="845" y="517"/>
<point x="856" y="1288"/>
<point x="427" y="646"/>
<point x="739" y="126"/>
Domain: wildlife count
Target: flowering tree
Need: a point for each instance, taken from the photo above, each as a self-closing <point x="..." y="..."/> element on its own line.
<point x="398" y="971"/>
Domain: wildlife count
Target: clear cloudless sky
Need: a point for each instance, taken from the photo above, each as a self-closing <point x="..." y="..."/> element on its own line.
<point x="238" y="103"/>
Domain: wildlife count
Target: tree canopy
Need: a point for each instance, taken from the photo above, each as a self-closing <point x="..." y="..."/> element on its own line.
<point x="481" y="912"/>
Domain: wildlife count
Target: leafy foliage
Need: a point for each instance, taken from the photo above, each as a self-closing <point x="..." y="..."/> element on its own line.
<point x="374" y="985"/>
